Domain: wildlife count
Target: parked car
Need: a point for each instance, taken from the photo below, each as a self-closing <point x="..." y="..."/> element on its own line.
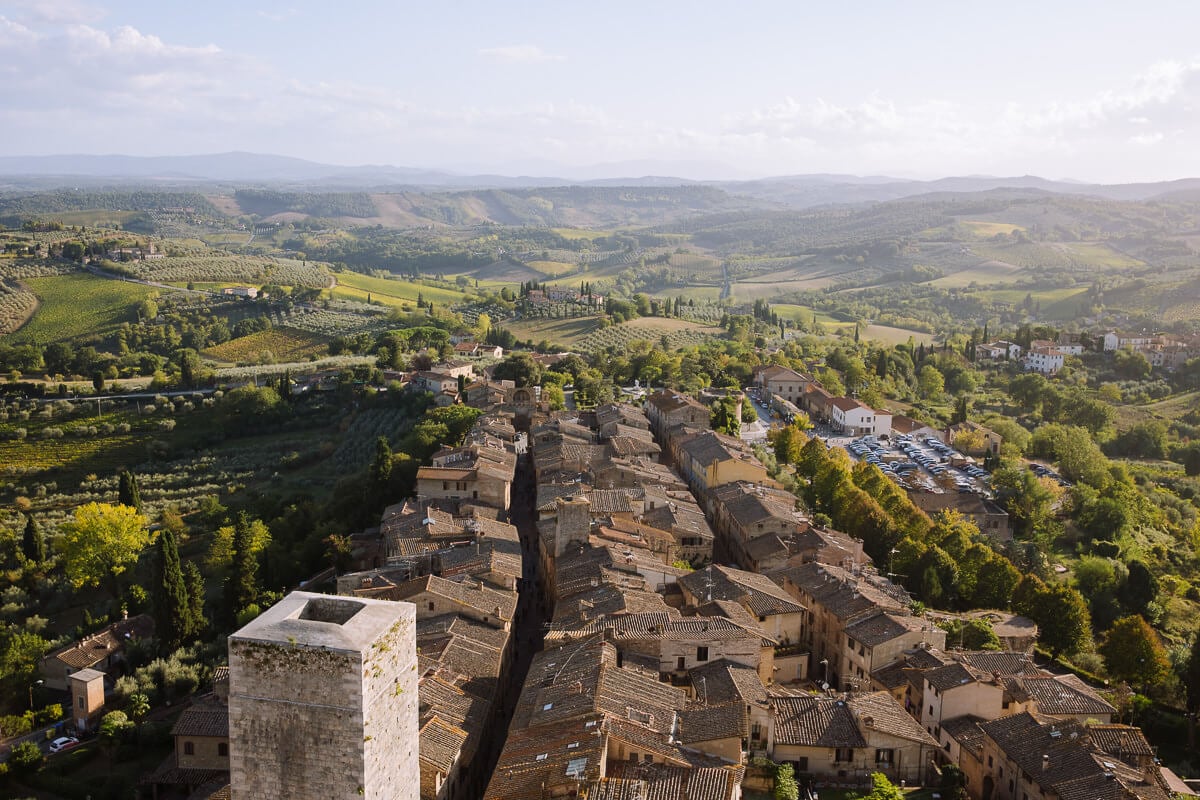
<point x="63" y="743"/>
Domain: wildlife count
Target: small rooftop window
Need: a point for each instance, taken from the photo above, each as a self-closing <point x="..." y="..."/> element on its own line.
<point x="542" y="756"/>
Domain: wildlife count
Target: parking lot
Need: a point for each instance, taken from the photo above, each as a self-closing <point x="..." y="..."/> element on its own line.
<point x="921" y="464"/>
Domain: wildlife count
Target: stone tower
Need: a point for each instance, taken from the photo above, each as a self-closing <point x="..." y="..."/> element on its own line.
<point x="323" y="701"/>
<point x="574" y="523"/>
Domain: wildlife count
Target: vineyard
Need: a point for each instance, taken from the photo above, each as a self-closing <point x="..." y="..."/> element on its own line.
<point x="17" y="304"/>
<point x="80" y="304"/>
<point x="254" y="270"/>
<point x="237" y="374"/>
<point x="358" y="442"/>
<point x="678" y="333"/>
<point x="268" y="347"/>
<point x="330" y="323"/>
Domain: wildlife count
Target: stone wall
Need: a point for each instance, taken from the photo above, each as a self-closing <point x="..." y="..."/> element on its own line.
<point x="329" y="717"/>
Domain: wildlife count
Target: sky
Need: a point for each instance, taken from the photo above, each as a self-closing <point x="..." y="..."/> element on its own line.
<point x="1092" y="91"/>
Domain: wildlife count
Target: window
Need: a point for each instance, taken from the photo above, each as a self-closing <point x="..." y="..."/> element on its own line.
<point x="883" y="756"/>
<point x="989" y="761"/>
<point x="222" y="749"/>
<point x="431" y="605"/>
<point x="844" y="754"/>
<point x="189" y="748"/>
<point x="681" y="663"/>
<point x="445" y="485"/>
<point x="702" y="654"/>
<point x="81" y="702"/>
<point x="801" y="764"/>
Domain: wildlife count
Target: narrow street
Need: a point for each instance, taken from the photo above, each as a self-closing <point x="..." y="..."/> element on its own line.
<point x="531" y="614"/>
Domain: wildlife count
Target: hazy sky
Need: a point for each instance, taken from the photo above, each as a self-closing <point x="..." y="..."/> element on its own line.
<point x="723" y="89"/>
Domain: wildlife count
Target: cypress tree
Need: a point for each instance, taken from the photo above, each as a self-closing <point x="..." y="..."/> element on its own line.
<point x="194" y="581"/>
<point x="127" y="491"/>
<point x="172" y="612"/>
<point x="33" y="544"/>
<point x="243" y="589"/>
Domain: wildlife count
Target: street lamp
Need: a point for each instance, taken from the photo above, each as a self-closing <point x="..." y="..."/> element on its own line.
<point x="825" y="663"/>
<point x="35" y="683"/>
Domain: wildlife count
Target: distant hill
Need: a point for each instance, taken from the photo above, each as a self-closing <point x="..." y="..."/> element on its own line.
<point x="807" y="191"/>
<point x="796" y="191"/>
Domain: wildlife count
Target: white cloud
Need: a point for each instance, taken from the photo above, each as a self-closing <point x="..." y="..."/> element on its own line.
<point x="519" y="54"/>
<point x="1146" y="139"/>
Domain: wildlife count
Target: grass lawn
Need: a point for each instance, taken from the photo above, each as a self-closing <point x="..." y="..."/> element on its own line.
<point x="80" y="304"/>
<point x="356" y="286"/>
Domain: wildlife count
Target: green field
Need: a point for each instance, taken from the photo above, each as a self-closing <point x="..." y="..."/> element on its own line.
<point x="804" y="314"/>
<point x="880" y="333"/>
<point x="562" y="332"/>
<point x="989" y="229"/>
<point x="889" y="335"/>
<point x="1048" y="298"/>
<point x="277" y="344"/>
<point x="579" y="233"/>
<point x="78" y="305"/>
<point x="989" y="273"/>
<point x="1172" y="408"/>
<point x="356" y="286"/>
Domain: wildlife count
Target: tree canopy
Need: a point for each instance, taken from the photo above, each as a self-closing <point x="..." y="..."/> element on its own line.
<point x="101" y="543"/>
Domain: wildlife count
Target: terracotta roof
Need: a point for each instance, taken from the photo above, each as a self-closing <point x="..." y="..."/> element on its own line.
<point x="952" y="676"/>
<point x="880" y="711"/>
<point x="966" y="731"/>
<point x="441" y="744"/>
<point x="706" y="723"/>
<point x="1060" y="695"/>
<point x="723" y="681"/>
<point x="207" y="716"/>
<point x="816" y="721"/>
<point x="629" y="781"/>
<point x="759" y="594"/>
<point x="883" y="627"/>
<point x="1060" y="759"/>
<point x="476" y="596"/>
<point x="1002" y="662"/>
<point x="95" y="647"/>
<point x="1123" y="741"/>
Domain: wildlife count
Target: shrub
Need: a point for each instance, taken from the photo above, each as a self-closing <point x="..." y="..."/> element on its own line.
<point x="26" y="757"/>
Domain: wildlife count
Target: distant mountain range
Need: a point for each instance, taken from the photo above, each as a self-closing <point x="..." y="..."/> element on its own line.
<point x="795" y="191"/>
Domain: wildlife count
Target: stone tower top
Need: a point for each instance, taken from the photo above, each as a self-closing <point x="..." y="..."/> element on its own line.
<point x="340" y="624"/>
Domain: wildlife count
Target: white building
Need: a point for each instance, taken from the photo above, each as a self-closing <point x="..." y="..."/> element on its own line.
<point x="999" y="350"/>
<point x="1046" y="360"/>
<point x="856" y="418"/>
<point x="1115" y="340"/>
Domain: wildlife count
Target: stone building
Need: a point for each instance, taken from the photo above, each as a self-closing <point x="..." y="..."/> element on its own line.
<point x="323" y="701"/>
